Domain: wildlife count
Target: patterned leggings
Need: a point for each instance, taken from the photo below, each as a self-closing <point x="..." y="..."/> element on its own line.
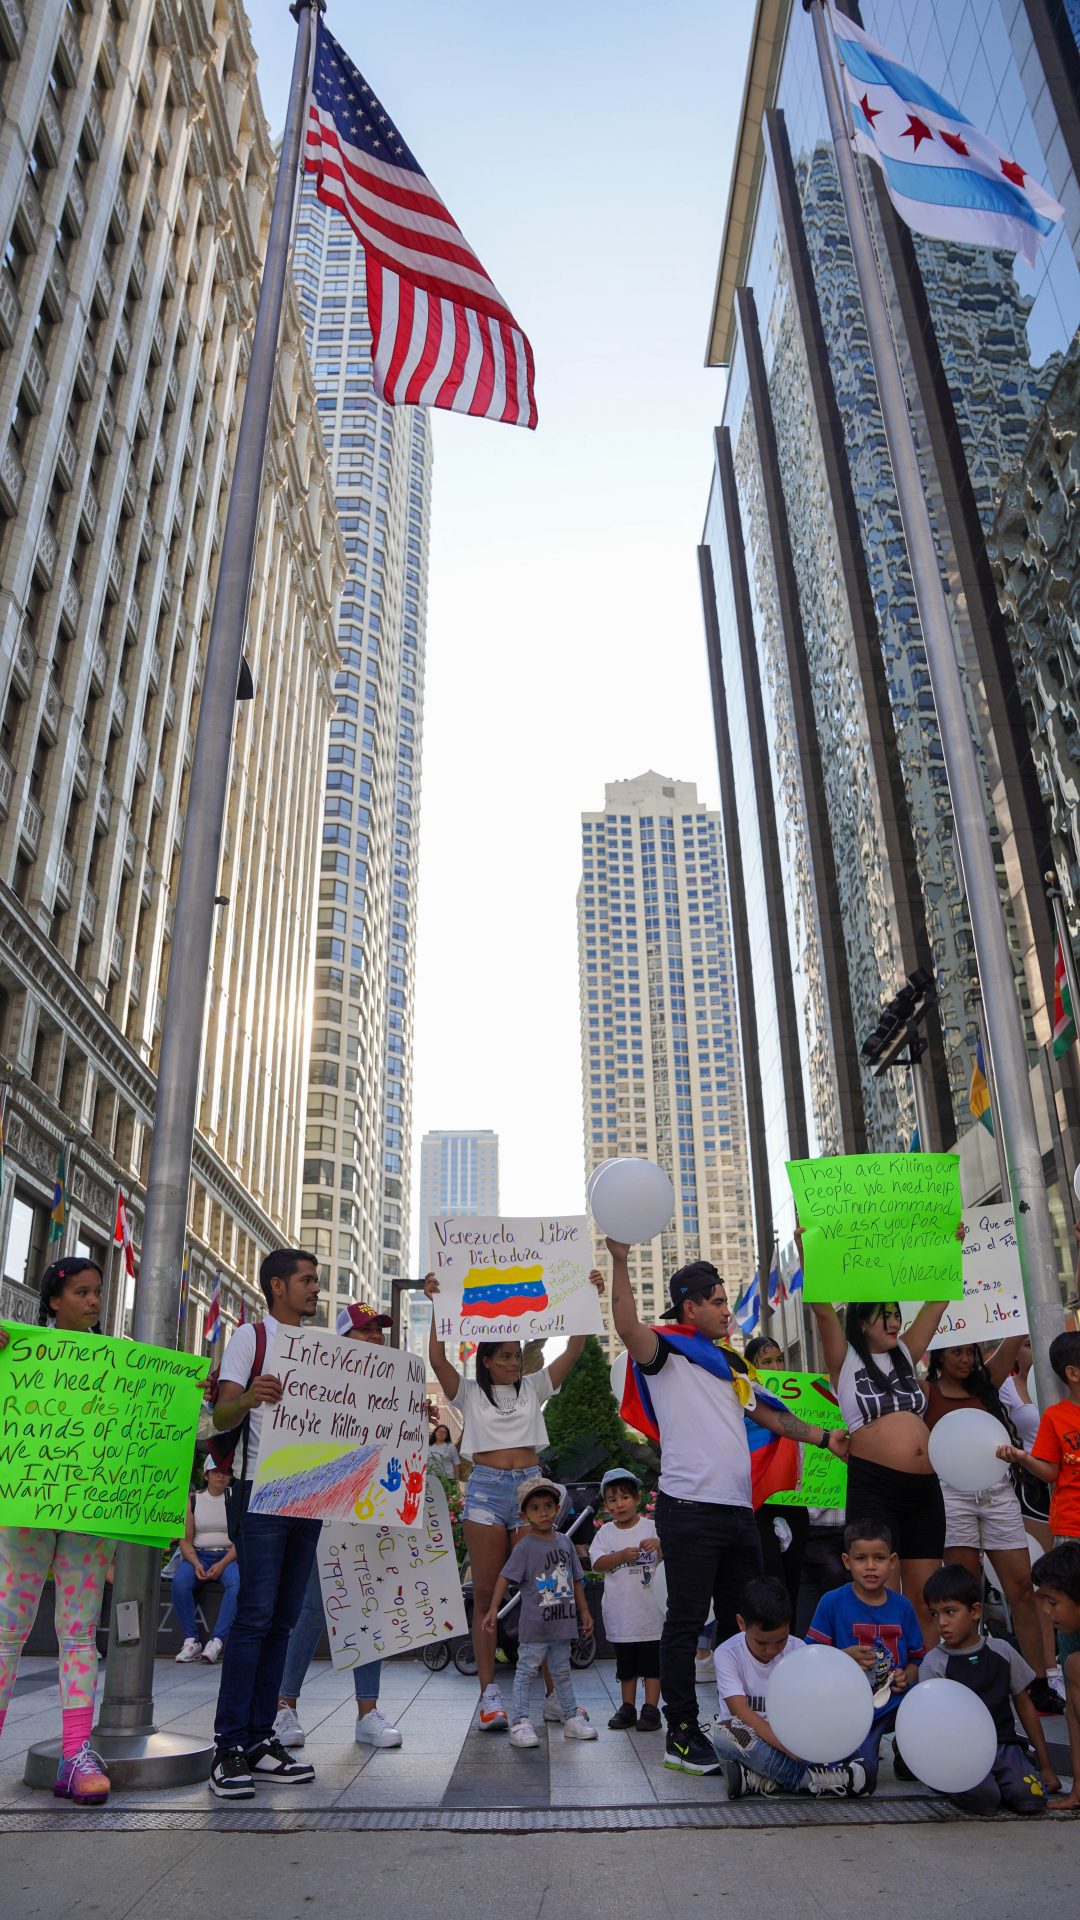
<point x="79" y="1564"/>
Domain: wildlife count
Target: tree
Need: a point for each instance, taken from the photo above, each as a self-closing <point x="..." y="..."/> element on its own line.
<point x="586" y="1431"/>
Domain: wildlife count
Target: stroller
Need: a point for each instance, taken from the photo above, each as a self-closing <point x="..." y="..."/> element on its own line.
<point x="460" y="1648"/>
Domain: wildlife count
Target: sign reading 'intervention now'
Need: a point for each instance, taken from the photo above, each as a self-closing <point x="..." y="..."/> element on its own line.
<point x="97" y="1435"/>
<point x="879" y="1226"/>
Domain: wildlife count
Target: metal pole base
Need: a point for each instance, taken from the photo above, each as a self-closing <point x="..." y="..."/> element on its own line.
<point x="150" y="1760"/>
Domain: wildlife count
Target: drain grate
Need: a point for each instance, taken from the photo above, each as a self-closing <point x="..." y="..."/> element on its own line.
<point x="692" y="1816"/>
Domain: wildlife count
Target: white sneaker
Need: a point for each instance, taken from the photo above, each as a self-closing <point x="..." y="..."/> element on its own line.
<point x="1056" y="1681"/>
<point x="524" y="1734"/>
<point x="579" y="1727"/>
<point x="213" y="1651"/>
<point x="552" y="1710"/>
<point x="492" y="1712"/>
<point x="374" y="1730"/>
<point x="287" y="1727"/>
<point x="191" y="1650"/>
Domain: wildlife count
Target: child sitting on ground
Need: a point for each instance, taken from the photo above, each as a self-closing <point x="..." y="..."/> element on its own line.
<point x="626" y="1551"/>
<point x="1001" y="1678"/>
<point x="1057" y="1578"/>
<point x="754" y="1760"/>
<point x="553" y="1611"/>
<point x="877" y="1627"/>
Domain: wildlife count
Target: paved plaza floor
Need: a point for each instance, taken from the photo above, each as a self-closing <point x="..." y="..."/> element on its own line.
<point x="446" y="1774"/>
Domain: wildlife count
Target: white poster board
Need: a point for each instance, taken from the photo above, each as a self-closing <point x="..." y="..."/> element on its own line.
<point x="519" y="1279"/>
<point x="993" y="1306"/>
<point x="348" y="1439"/>
<point x="385" y="1590"/>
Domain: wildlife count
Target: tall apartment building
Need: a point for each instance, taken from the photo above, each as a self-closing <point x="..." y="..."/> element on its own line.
<point x="660" y="1066"/>
<point x="136" y="175"/>
<point x="359" y="1125"/>
<point x="834" y="791"/>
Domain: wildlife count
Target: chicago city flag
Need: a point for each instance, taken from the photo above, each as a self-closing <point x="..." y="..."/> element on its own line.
<point x="943" y="176"/>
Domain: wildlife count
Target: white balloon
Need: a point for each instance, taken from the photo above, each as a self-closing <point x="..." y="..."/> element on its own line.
<point x="946" y="1734"/>
<point x="819" y="1704"/>
<point x="618" y="1376"/>
<point x="963" y="1450"/>
<point x="632" y="1200"/>
<point x="594" y="1177"/>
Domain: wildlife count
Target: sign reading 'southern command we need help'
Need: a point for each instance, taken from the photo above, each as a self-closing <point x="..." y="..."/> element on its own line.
<point x="512" y="1279"/>
<point x="348" y="1439"/>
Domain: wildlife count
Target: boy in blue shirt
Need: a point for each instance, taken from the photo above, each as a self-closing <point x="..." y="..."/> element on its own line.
<point x="877" y="1627"/>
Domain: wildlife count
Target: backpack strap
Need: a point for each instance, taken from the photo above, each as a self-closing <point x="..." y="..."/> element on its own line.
<point x="257" y="1365"/>
<point x="223" y="1445"/>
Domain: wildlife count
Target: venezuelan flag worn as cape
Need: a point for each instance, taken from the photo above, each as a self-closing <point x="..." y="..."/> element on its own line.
<point x="774" y="1461"/>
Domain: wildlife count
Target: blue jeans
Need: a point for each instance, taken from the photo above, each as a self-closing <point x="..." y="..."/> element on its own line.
<point x="275" y="1555"/>
<point x="184" y="1582"/>
<point x="868" y="1752"/>
<point x="732" y="1741"/>
<point x="303" y="1641"/>
<point x="531" y="1657"/>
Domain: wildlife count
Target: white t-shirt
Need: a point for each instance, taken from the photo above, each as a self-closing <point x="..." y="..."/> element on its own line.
<point x="515" y="1420"/>
<point x="237" y="1364"/>
<point x="630" y="1612"/>
<point x="739" y="1675"/>
<point x="704" y="1453"/>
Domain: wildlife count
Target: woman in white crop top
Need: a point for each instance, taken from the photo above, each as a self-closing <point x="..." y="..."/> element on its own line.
<point x="504" y="1431"/>
<point x="881" y="1398"/>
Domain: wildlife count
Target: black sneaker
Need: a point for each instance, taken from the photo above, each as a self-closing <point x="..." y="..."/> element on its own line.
<point x="230" y="1775"/>
<point x="1043" y="1698"/>
<point x="686" y="1750"/>
<point x="272" y="1764"/>
<point x="735" y="1779"/>
<point x="623" y="1719"/>
<point x="900" y="1766"/>
<point x="649" y="1721"/>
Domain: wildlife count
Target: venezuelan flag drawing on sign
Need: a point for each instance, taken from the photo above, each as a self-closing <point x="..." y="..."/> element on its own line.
<point x="491" y="1295"/>
<point x="774" y="1462"/>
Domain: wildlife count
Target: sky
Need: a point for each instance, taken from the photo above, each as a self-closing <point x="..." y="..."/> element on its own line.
<point x="585" y="150"/>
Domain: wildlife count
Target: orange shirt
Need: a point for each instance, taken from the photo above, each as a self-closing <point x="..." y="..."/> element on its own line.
<point x="1058" y="1443"/>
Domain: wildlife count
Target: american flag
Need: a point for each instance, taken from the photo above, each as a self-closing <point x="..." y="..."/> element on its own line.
<point x="213" y="1313"/>
<point x="442" y="335"/>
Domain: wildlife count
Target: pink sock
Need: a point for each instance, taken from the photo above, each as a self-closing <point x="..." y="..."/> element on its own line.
<point x="77" y="1722"/>
<point x="3" y="1716"/>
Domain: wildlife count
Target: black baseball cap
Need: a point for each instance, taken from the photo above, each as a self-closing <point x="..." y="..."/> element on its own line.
<point x="693" y="1282"/>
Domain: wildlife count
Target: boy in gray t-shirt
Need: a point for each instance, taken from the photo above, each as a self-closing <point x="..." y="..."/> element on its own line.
<point x="553" y="1612"/>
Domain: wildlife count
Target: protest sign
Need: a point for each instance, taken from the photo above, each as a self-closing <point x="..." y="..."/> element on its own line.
<point x="97" y="1435"/>
<point x="823" y="1480"/>
<point x="993" y="1306"/>
<point x="521" y="1279"/>
<point x="879" y="1226"/>
<point x="348" y="1438"/>
<point x="386" y="1590"/>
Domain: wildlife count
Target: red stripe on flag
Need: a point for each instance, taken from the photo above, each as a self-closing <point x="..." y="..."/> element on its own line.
<point x="425" y="366"/>
<point x="485" y="383"/>
<point x="452" y="384"/>
<point x="406" y="307"/>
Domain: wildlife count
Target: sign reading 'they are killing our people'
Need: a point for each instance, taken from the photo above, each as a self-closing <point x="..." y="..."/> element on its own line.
<point x="348" y="1438"/>
<point x="879" y="1226"/>
<point x="519" y="1279"/>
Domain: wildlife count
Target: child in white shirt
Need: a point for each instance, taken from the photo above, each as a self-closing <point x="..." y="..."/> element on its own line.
<point x="627" y="1552"/>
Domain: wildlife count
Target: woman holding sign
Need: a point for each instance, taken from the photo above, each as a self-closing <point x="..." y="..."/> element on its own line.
<point x="70" y="1302"/>
<point x="503" y="1434"/>
<point x="890" y="1478"/>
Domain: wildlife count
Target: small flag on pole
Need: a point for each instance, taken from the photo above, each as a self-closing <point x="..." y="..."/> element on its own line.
<point x="441" y="334"/>
<point x="122" y="1233"/>
<point x="748" y="1308"/>
<point x="1064" y="1011"/>
<point x="777" y="1289"/>
<point x="183" y="1290"/>
<point x="58" y="1215"/>
<point x="944" y="177"/>
<point x="212" y="1329"/>
<point x="979" y="1091"/>
<point x="795" y="1283"/>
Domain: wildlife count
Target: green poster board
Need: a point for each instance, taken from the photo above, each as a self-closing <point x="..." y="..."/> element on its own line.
<point x="823" y="1482"/>
<point x="879" y="1226"/>
<point x="97" y="1435"/>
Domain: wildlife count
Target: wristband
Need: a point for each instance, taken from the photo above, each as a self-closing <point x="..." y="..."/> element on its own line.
<point x="823" y="1443"/>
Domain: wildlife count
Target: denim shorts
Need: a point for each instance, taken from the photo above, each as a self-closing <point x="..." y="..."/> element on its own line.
<point x="491" y="1496"/>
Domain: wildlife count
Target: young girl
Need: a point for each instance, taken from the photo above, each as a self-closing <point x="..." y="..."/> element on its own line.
<point x="70" y="1301"/>
<point x="890" y="1478"/>
<point x="503" y="1433"/>
<point x="989" y="1522"/>
<point x="442" y="1453"/>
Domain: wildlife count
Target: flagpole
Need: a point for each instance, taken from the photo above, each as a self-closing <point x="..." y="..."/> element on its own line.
<point x="137" y="1755"/>
<point x="1006" y="1048"/>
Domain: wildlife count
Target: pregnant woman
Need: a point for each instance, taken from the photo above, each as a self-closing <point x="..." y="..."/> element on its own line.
<point x="503" y="1434"/>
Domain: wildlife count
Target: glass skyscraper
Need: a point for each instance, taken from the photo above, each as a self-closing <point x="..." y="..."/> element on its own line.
<point x="835" y="796"/>
<point x="661" y="1077"/>
<point x="357" y="1145"/>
